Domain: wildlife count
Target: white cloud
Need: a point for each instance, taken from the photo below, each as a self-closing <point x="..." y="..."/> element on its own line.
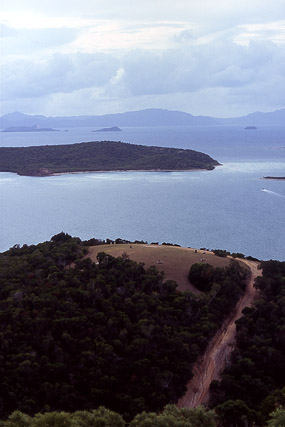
<point x="22" y="42"/>
<point x="225" y="64"/>
<point x="153" y="9"/>
<point x="271" y="31"/>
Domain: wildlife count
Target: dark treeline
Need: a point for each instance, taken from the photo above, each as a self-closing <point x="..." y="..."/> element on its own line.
<point x="99" y="156"/>
<point x="253" y="385"/>
<point x="170" y="416"/>
<point x="76" y="335"/>
<point x="102" y="417"/>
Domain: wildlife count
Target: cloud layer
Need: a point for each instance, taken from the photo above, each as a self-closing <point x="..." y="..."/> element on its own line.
<point x="230" y="64"/>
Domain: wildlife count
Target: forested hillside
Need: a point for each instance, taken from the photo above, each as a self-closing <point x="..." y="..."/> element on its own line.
<point x="76" y="334"/>
<point x="254" y="383"/>
<point x="99" y="156"/>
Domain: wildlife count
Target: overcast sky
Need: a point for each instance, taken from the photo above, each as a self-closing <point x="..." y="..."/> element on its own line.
<point x="222" y="58"/>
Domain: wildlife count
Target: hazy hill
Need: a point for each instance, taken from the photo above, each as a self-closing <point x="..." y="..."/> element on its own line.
<point x="274" y="118"/>
<point x="148" y="117"/>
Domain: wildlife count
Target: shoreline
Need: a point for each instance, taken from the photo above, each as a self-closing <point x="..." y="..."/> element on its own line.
<point x="127" y="170"/>
<point x="47" y="174"/>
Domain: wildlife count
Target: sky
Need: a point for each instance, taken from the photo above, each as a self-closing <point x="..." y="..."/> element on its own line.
<point x="222" y="58"/>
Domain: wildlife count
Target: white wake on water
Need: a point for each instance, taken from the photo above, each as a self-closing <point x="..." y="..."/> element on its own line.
<point x="272" y="192"/>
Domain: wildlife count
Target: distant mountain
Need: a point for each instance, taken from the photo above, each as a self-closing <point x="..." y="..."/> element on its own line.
<point x="274" y="118"/>
<point x="148" y="117"/>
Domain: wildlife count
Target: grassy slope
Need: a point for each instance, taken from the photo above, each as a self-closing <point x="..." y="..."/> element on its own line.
<point x="176" y="261"/>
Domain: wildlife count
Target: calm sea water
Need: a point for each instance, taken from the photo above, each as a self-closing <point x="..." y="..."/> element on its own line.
<point x="229" y="208"/>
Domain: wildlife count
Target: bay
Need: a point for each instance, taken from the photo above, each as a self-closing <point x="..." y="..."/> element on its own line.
<point x="229" y="208"/>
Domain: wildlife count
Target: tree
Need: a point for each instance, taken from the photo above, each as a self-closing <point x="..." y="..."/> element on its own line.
<point x="234" y="413"/>
<point x="53" y="419"/>
<point x="60" y="237"/>
<point x="277" y="418"/>
<point x="174" y="417"/>
<point x="201" y="276"/>
<point x="17" y="419"/>
<point x="100" y="417"/>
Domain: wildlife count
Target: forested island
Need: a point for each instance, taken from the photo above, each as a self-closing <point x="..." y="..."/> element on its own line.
<point x="99" y="156"/>
<point x="80" y="337"/>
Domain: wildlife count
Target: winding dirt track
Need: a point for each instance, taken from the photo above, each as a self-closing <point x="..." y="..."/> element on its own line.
<point x="209" y="366"/>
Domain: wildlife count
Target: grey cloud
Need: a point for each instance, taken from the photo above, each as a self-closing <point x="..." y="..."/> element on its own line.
<point x="184" y="36"/>
<point x="223" y="69"/>
<point x="61" y="73"/>
<point x="222" y="64"/>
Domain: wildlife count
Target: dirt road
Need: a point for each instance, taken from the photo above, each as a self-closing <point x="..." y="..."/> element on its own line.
<point x="211" y="364"/>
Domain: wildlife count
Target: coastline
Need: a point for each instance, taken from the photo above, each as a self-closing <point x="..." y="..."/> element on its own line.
<point x="129" y="170"/>
<point x="46" y="173"/>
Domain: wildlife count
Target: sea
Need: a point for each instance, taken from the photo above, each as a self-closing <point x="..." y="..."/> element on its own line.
<point x="231" y="207"/>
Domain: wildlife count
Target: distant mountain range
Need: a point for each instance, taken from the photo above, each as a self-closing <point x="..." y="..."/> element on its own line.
<point x="148" y="117"/>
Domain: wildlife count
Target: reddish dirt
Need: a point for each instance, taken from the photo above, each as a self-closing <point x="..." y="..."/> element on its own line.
<point x="209" y="366"/>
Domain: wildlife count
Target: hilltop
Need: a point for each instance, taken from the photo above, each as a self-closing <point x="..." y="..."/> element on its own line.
<point x="106" y="333"/>
<point x="174" y="261"/>
<point x="99" y="156"/>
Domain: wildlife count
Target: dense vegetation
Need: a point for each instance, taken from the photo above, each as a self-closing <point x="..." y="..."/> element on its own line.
<point x="171" y="416"/>
<point x="99" y="156"/>
<point x="253" y="385"/>
<point x="76" y="335"/>
<point x="219" y="281"/>
<point x="102" y="417"/>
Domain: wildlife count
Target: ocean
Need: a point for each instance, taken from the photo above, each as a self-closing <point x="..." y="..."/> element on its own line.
<point x="230" y="208"/>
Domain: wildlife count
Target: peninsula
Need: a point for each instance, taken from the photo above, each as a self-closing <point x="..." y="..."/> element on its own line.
<point x="34" y="128"/>
<point x="99" y="156"/>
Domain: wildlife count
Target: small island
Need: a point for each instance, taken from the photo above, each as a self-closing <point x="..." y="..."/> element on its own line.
<point x="34" y="128"/>
<point x="251" y="128"/>
<point x="281" y="178"/>
<point x="100" y="156"/>
<point x="111" y="129"/>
